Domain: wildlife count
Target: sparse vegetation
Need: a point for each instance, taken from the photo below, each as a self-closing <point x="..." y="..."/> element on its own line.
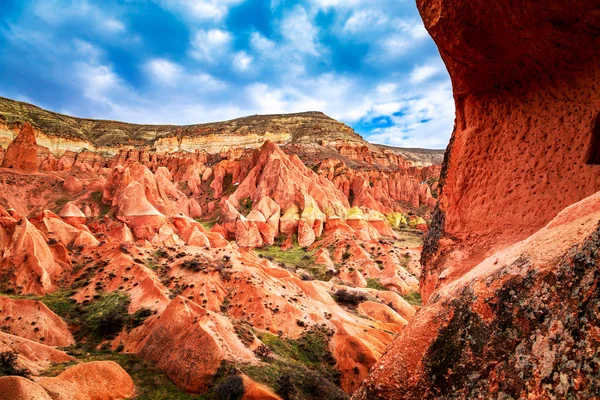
<point x="105" y="318"/>
<point x="296" y="258"/>
<point x="413" y="298"/>
<point x="374" y="283"/>
<point x="245" y="205"/>
<point x="9" y="365"/>
<point x="303" y="368"/>
<point x="346" y="296"/>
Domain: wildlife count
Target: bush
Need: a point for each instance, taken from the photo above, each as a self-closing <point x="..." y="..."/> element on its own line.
<point x="192" y="265"/>
<point x="138" y="317"/>
<point x="413" y="298"/>
<point x="263" y="351"/>
<point x="349" y="297"/>
<point x="231" y="388"/>
<point x="284" y="387"/>
<point x="107" y="316"/>
<point x="374" y="283"/>
<point x="9" y="366"/>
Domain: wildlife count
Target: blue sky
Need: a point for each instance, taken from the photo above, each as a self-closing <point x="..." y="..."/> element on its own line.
<point x="369" y="63"/>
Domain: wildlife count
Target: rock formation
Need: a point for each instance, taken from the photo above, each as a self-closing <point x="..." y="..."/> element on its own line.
<point x="21" y="154"/>
<point x="524" y="144"/>
<point x="510" y="265"/>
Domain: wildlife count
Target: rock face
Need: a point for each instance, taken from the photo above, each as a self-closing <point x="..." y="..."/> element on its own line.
<point x="32" y="320"/>
<point x="22" y="152"/>
<point x="510" y="276"/>
<point x="524" y="322"/>
<point x="525" y="143"/>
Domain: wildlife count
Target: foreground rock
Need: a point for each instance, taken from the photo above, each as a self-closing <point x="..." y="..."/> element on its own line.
<point x="19" y="388"/>
<point x="93" y="380"/>
<point x="510" y="276"/>
<point x="524" y="322"/>
<point x="526" y="141"/>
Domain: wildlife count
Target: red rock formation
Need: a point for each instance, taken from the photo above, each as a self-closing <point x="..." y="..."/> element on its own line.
<point x="32" y="320"/>
<point x="22" y="152"/>
<point x="33" y="356"/>
<point x="19" y="388"/>
<point x="528" y="301"/>
<point x="27" y="259"/>
<point x="92" y="380"/>
<point x="524" y="147"/>
<point x="511" y="280"/>
<point x="198" y="341"/>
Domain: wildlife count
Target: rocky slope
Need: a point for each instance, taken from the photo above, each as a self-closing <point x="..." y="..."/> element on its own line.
<point x="510" y="265"/>
<point x="281" y="271"/>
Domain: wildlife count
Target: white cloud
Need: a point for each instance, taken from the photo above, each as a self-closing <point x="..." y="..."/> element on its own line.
<point x="58" y="12"/>
<point x="163" y="70"/>
<point x="299" y="31"/>
<point x="261" y="44"/>
<point x="99" y="82"/>
<point x="425" y="72"/>
<point x="204" y="10"/>
<point x="426" y="120"/>
<point x="242" y="61"/>
<point x="210" y="45"/>
<point x="367" y="19"/>
<point x="114" y="25"/>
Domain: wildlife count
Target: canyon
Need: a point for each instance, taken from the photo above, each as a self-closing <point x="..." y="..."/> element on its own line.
<point x="269" y="256"/>
<point x="284" y="257"/>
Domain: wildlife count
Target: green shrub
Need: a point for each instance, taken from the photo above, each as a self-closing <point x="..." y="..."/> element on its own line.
<point x="413" y="298"/>
<point x="106" y="317"/>
<point x="349" y="297"/>
<point x="230" y="388"/>
<point x="245" y="205"/>
<point x="374" y="283"/>
<point x="9" y="366"/>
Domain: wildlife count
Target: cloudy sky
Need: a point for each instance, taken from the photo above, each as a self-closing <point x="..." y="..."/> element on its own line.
<point x="369" y="63"/>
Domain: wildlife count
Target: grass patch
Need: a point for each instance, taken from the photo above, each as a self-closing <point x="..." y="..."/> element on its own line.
<point x="413" y="298"/>
<point x="302" y="368"/>
<point x="374" y="283"/>
<point x="60" y="202"/>
<point x="96" y="196"/>
<point x="298" y="258"/>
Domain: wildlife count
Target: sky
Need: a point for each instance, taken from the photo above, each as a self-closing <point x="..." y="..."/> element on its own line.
<point x="368" y="63"/>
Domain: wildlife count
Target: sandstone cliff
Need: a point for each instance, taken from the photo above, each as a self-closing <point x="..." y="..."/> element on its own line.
<point x="510" y="265"/>
<point x="525" y="140"/>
